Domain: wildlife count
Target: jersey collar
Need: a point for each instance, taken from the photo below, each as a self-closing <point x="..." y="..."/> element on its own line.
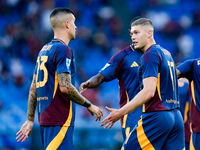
<point x="61" y="41"/>
<point x="151" y="47"/>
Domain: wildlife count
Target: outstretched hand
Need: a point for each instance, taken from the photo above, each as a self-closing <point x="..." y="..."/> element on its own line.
<point x="111" y="118"/>
<point x="84" y="86"/>
<point x="95" y="110"/>
<point x="25" y="131"/>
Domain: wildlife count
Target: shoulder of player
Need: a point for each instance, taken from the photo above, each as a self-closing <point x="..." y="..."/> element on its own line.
<point x="158" y="50"/>
<point x="197" y="61"/>
<point x="63" y="49"/>
<point x="152" y="54"/>
<point x="122" y="53"/>
<point x="153" y="50"/>
<point x="62" y="46"/>
<point x="191" y="62"/>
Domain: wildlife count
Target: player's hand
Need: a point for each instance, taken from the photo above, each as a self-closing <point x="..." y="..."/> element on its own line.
<point x="111" y="118"/>
<point x="95" y="110"/>
<point x="25" y="131"/>
<point x="84" y="86"/>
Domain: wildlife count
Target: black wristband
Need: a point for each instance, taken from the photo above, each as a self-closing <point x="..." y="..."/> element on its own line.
<point x="86" y="104"/>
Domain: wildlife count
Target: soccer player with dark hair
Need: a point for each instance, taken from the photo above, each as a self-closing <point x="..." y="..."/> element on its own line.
<point x="122" y="66"/>
<point x="191" y="70"/>
<point x="53" y="90"/>
<point x="161" y="124"/>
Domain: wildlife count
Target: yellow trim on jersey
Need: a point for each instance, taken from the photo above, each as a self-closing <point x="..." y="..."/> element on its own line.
<point x="158" y="89"/>
<point x="127" y="138"/>
<point x="127" y="131"/>
<point x="144" y="142"/>
<point x="192" y="89"/>
<point x="187" y="107"/>
<point x="67" y="123"/>
<point x="191" y="128"/>
<point x="158" y="86"/>
<point x="132" y="47"/>
<point x="56" y="84"/>
<point x="143" y="108"/>
<point x="125" y="116"/>
<point x="191" y="144"/>
<point x="122" y="148"/>
<point x="55" y="143"/>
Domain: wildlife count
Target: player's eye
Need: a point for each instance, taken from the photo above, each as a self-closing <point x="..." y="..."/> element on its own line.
<point x="136" y="32"/>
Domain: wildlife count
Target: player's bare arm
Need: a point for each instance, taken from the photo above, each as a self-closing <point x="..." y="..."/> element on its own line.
<point x="141" y="98"/>
<point x="72" y="93"/>
<point x="93" y="82"/>
<point x="32" y="100"/>
<point x="26" y="128"/>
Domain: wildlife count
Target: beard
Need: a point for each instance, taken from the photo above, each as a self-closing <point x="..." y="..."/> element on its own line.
<point x="72" y="37"/>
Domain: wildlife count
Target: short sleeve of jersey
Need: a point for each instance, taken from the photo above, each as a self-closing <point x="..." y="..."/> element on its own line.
<point x="186" y="68"/>
<point x="150" y="64"/>
<point x="112" y="68"/>
<point x="63" y="59"/>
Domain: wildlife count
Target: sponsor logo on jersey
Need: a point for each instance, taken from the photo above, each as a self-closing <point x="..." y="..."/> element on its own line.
<point x="134" y="64"/>
<point x="172" y="101"/>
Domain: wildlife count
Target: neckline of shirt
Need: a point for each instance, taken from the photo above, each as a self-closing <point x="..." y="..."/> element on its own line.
<point x="57" y="39"/>
<point x="151" y="47"/>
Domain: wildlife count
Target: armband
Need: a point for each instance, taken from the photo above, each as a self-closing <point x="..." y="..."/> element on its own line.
<point x="86" y="104"/>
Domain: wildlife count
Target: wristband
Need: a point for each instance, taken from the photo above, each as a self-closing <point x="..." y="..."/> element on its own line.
<point x="86" y="104"/>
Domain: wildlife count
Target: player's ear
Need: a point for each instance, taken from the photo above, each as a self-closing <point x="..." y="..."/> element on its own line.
<point x="67" y="24"/>
<point x="150" y="33"/>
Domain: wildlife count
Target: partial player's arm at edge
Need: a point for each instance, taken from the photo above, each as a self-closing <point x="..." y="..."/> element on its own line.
<point x="32" y="100"/>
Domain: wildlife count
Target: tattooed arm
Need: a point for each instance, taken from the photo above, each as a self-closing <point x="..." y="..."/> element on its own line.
<point x="26" y="128"/>
<point x="32" y="100"/>
<point x="72" y="93"/>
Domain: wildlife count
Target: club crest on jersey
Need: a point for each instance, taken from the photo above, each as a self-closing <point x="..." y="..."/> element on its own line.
<point x="68" y="62"/>
<point x="107" y="64"/>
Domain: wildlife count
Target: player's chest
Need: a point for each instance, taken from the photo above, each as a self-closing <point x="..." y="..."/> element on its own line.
<point x="131" y="63"/>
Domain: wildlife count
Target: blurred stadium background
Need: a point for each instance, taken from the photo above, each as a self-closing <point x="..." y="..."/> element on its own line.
<point x="102" y="31"/>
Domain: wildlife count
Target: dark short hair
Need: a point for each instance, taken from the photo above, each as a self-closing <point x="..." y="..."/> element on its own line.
<point x="60" y="10"/>
<point x="141" y="21"/>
